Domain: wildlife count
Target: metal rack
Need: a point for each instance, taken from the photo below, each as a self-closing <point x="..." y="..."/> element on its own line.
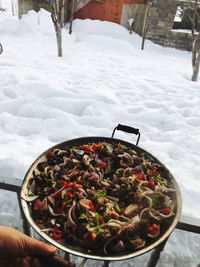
<point x="185" y="223"/>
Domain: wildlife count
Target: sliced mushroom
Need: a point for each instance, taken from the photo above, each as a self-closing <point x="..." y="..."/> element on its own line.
<point x="86" y="160"/>
<point x="137" y="243"/>
<point x="131" y="209"/>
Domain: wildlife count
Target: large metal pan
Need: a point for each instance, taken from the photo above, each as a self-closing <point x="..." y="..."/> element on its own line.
<point x="78" y="250"/>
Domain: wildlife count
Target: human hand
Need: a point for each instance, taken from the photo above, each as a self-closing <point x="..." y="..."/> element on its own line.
<point x="18" y="249"/>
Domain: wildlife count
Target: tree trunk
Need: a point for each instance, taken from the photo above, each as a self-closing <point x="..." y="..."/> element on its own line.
<point x="196" y="68"/>
<point x="195" y="58"/>
<point x="58" y="30"/>
<point x="70" y="27"/>
<point x="144" y="28"/>
<point x="72" y="9"/>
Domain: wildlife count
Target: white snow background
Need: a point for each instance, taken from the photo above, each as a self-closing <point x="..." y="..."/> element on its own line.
<point x="103" y="79"/>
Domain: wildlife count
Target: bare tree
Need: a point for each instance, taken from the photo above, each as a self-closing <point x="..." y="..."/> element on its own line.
<point x="73" y="6"/>
<point x="57" y="15"/>
<point x="145" y="23"/>
<point x="1" y="48"/>
<point x="195" y="19"/>
<point x="62" y="12"/>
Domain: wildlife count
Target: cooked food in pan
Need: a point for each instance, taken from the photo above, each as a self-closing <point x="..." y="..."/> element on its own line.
<point x="102" y="196"/>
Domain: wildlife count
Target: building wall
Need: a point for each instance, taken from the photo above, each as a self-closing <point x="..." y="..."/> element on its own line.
<point x="25" y="5"/>
<point x="136" y="12"/>
<point x="109" y="10"/>
<point x="160" y="24"/>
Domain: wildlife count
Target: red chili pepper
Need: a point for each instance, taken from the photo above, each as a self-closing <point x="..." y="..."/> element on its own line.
<point x="39" y="221"/>
<point x="64" y="204"/>
<point x="166" y="211"/>
<point x="103" y="165"/>
<point x="148" y="171"/>
<point x="70" y="195"/>
<point x="50" y="154"/>
<point x="115" y="214"/>
<point x="91" y="206"/>
<point x="93" y="236"/>
<point x="74" y="185"/>
<point x="139" y="176"/>
<point x="94" y="147"/>
<point x="37" y="205"/>
<point x="151" y="182"/>
<point x="154" y="171"/>
<point x="99" y="147"/>
<point x="101" y="220"/>
<point x="153" y="229"/>
<point x="73" y="229"/>
<point x="66" y="184"/>
<point x="86" y="235"/>
<point x="56" y="236"/>
<point x="86" y="149"/>
<point x="155" y="226"/>
<point x="96" y="206"/>
<point x="56" y="227"/>
<point x="150" y="229"/>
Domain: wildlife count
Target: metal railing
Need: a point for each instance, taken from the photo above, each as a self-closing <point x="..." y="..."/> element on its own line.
<point x="185" y="223"/>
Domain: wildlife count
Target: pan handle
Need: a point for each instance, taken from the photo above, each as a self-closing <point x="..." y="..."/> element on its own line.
<point x="127" y="129"/>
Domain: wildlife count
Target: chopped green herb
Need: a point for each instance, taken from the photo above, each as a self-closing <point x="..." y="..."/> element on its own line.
<point x="92" y="224"/>
<point x="100" y="231"/>
<point x="31" y="195"/>
<point x="100" y="195"/>
<point x="159" y="179"/>
<point x="117" y="209"/>
<point x="143" y="166"/>
<point x="129" y="187"/>
<point x="106" y="217"/>
<point x="83" y="216"/>
<point x="97" y="216"/>
<point x="134" y="152"/>
<point x="69" y="201"/>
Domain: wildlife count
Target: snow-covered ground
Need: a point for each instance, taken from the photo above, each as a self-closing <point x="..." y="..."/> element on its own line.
<point x="102" y="79"/>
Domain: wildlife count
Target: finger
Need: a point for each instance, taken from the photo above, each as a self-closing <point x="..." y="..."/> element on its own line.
<point x="35" y="247"/>
<point x="56" y="261"/>
<point x="36" y="262"/>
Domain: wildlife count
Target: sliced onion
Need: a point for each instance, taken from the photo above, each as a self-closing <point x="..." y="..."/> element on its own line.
<point x="84" y="203"/>
<point x="29" y="199"/>
<point x="57" y="168"/>
<point x="58" y="192"/>
<point x="79" y="152"/>
<point x="114" y="199"/>
<point x="69" y="216"/>
<point x="32" y="187"/>
<point x="44" y="204"/>
<point x="47" y="230"/>
<point x="119" y="247"/>
<point x="51" y="200"/>
<point x="51" y="211"/>
<point x="128" y="157"/>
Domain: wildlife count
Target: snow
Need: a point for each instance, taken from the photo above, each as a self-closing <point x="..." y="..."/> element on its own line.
<point x="178" y="16"/>
<point x="103" y="79"/>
